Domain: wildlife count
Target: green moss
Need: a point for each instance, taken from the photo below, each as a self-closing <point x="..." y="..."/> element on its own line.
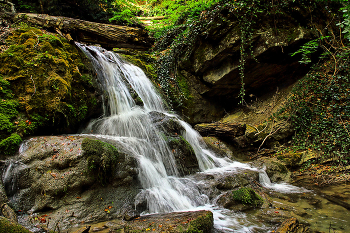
<point x="201" y="224"/>
<point x="101" y="158"/>
<point x="188" y="145"/>
<point x="10" y="227"/>
<point x="290" y="159"/>
<point x="44" y="83"/>
<point x="9" y="145"/>
<point x="144" y="61"/>
<point x="247" y="196"/>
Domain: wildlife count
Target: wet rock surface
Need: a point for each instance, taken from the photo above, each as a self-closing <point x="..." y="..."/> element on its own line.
<point x="171" y="131"/>
<point x="52" y="184"/>
<point x="190" y="221"/>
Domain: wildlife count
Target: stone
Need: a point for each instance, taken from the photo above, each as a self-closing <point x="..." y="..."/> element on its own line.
<point x="219" y="147"/>
<point x="292" y="225"/>
<point x="52" y="178"/>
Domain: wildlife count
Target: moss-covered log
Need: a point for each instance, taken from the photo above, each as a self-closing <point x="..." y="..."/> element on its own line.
<point x="107" y="35"/>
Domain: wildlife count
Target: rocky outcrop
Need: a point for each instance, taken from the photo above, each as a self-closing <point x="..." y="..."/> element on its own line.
<point x="59" y="182"/>
<point x="213" y="67"/>
<point x="107" y="35"/>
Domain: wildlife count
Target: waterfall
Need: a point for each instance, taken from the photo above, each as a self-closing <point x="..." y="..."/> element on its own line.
<point x="131" y="127"/>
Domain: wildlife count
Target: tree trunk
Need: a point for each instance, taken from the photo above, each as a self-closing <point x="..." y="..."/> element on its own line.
<point x="107" y="35"/>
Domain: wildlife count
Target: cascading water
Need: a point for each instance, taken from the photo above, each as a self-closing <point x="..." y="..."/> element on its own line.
<point x="130" y="126"/>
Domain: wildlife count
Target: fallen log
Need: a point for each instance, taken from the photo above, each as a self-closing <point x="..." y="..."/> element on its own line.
<point x="107" y="35"/>
<point x="221" y="130"/>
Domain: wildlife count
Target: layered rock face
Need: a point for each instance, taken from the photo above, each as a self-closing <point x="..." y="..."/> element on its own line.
<point x="214" y="67"/>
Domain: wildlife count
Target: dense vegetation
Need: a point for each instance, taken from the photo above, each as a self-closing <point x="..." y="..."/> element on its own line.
<point x="319" y="104"/>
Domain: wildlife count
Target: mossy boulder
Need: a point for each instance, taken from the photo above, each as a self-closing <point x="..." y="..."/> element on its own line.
<point x="291" y="159"/>
<point x="184" y="154"/>
<point x="241" y="199"/>
<point x="247" y="196"/>
<point x="51" y="177"/>
<point x="101" y="158"/>
<point x="201" y="224"/>
<point x="274" y="168"/>
<point x="46" y="85"/>
<point x="169" y="125"/>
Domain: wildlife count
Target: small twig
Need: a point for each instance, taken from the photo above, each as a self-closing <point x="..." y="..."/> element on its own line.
<point x="261" y="130"/>
<point x="31" y="77"/>
<point x="335" y="60"/>
<point x="268" y="135"/>
<point x="37" y="39"/>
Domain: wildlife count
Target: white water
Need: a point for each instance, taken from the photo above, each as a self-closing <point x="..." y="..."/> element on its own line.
<point x="281" y="187"/>
<point x="130" y="126"/>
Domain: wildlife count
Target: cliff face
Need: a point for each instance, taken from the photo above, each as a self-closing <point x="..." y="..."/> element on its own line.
<point x="232" y="46"/>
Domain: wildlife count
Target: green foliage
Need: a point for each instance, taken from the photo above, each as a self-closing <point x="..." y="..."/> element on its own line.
<point x="101" y="159"/>
<point x="319" y="109"/>
<point x="125" y="17"/>
<point x="247" y="196"/>
<point x="308" y="49"/>
<point x="345" y="24"/>
<point x="177" y="11"/>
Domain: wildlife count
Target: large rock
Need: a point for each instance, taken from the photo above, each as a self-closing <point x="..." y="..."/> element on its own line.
<point x="62" y="181"/>
<point x="172" y="131"/>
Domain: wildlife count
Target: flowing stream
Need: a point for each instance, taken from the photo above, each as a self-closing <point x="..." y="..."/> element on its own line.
<point x="131" y="127"/>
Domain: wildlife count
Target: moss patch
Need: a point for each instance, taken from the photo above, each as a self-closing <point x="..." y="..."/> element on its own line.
<point x="247" y="196"/>
<point x="201" y="224"/>
<point x="101" y="157"/>
<point x="291" y="159"/>
<point x="44" y="85"/>
<point x="9" y="227"/>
